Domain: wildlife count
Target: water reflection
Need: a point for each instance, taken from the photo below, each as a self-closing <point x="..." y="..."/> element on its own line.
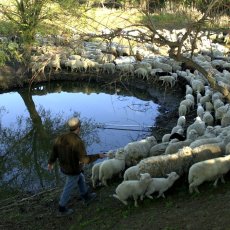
<point x="109" y="120"/>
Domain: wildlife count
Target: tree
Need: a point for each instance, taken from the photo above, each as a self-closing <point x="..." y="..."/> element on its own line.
<point x="26" y="15"/>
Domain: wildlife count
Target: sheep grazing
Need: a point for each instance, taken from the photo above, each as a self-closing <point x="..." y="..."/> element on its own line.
<point x="112" y="167"/>
<point x="160" y="185"/>
<point x="137" y="150"/>
<point x="132" y="173"/>
<point x="212" y="169"/>
<point x="133" y="188"/>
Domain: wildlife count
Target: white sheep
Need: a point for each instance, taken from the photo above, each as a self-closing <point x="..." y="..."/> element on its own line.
<point x="207" y="170"/>
<point x="132" y="173"/>
<point x="174" y="147"/>
<point x="180" y="162"/>
<point x="132" y="188"/>
<point x="112" y="167"/>
<point x="182" y="110"/>
<point x="158" y="149"/>
<point x="200" y="110"/>
<point x="108" y="68"/>
<point x="166" y="137"/>
<point x="188" y="103"/>
<point x="209" y="106"/>
<point x="197" y="85"/>
<point x="141" y="73"/>
<point x="208" y="118"/>
<point x="161" y="185"/>
<point x="198" y="125"/>
<point x="168" y="80"/>
<point x="189" y="89"/>
<point x="95" y="173"/>
<point x="96" y="167"/>
<point x="220" y="111"/>
<point x="225" y="121"/>
<point x="137" y="150"/>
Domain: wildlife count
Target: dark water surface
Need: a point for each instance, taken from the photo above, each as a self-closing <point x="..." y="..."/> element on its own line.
<point x="31" y="119"/>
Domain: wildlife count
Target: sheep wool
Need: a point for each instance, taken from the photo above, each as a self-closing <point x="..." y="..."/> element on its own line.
<point x="95" y="174"/>
<point x="137" y="150"/>
<point x="158" y="166"/>
<point x="132" y="173"/>
<point x="132" y="188"/>
<point x="212" y="169"/>
<point x="112" y="167"/>
<point x="161" y="185"/>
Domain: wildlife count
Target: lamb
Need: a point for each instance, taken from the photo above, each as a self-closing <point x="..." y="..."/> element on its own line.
<point x="132" y="188"/>
<point x="132" y="173"/>
<point x="212" y="169"/>
<point x="111" y="167"/>
<point x="137" y="150"/>
<point x="161" y="185"/>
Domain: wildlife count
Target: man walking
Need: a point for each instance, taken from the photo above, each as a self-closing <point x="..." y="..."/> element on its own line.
<point x="70" y="151"/>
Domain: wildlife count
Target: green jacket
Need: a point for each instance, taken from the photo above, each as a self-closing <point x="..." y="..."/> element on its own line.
<point x="70" y="151"/>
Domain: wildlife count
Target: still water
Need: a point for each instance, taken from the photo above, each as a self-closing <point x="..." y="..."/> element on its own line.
<point x="30" y="119"/>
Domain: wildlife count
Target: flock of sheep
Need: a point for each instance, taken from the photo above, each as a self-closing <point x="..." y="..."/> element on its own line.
<point x="199" y="150"/>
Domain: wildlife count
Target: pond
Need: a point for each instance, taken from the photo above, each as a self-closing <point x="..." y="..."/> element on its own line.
<point x="111" y="117"/>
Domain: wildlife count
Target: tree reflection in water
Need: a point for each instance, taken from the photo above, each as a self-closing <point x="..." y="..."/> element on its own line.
<point x="26" y="145"/>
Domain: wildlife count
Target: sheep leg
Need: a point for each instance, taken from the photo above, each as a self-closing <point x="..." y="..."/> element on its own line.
<point x="215" y="183"/>
<point x="135" y="197"/>
<point x="94" y="183"/>
<point x="193" y="187"/>
<point x="161" y="194"/>
<point x="222" y="179"/>
<point x="117" y="197"/>
<point x="149" y="196"/>
<point x="104" y="182"/>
